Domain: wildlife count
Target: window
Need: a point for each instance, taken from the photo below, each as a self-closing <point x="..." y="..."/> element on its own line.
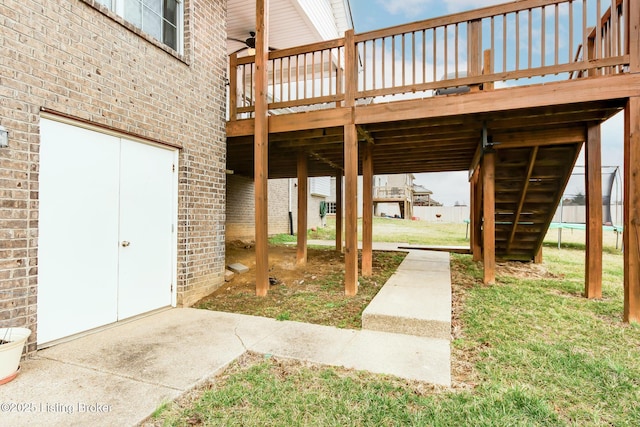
<point x="161" y="19"/>
<point x="320" y="186"/>
<point x="331" y="208"/>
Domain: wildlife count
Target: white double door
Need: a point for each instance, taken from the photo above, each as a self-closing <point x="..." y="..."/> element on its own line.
<point x="106" y="245"/>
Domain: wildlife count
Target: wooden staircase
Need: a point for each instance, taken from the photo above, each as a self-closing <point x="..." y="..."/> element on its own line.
<point x="529" y="183"/>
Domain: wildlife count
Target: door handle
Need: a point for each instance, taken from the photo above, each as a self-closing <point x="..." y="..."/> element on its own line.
<point x="125" y="243"/>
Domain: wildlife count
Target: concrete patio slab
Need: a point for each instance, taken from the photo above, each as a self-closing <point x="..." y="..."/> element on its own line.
<point x="52" y="393"/>
<point x="176" y="348"/>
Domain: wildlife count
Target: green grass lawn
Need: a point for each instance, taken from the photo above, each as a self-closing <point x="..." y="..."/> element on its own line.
<point x="530" y="351"/>
<point x="396" y="230"/>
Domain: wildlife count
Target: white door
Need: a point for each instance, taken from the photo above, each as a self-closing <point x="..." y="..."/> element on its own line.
<point x="78" y="230"/>
<point x="146" y="213"/>
<point x="98" y="192"/>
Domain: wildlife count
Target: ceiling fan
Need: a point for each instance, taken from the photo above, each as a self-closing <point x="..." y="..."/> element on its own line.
<point x="249" y="43"/>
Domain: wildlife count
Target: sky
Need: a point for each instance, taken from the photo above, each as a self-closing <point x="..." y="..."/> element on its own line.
<point x="452" y="187"/>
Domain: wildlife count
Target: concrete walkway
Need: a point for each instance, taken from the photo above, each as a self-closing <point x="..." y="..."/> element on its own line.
<point x="120" y="375"/>
<point x="416" y="300"/>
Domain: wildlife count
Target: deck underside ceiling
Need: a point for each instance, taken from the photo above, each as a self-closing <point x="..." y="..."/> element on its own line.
<point x="431" y="144"/>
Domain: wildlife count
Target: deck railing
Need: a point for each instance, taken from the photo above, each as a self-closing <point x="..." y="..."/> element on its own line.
<point x="392" y="193"/>
<point x="536" y="40"/>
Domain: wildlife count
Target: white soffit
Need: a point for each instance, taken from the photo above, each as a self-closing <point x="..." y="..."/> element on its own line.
<point x="291" y="22"/>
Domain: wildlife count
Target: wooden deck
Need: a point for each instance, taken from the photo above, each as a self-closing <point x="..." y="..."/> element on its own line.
<point x="537" y="77"/>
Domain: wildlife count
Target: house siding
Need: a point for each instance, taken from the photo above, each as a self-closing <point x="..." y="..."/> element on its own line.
<point x="320" y="14"/>
<point x="76" y="58"/>
<point x="332" y="196"/>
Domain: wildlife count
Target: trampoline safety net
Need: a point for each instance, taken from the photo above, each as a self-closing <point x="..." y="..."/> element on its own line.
<point x="572" y="208"/>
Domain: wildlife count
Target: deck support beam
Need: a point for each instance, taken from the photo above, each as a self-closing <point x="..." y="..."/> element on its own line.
<point x="301" y="252"/>
<point x="474" y="47"/>
<point x="523" y="195"/>
<point x="261" y="148"/>
<point x="479" y="200"/>
<point x="631" y="235"/>
<point x="350" y="167"/>
<point x="351" y="214"/>
<point x="538" y="258"/>
<point x="633" y="36"/>
<point x="489" y="223"/>
<point x="475" y="236"/>
<point x="339" y="210"/>
<point x="367" y="211"/>
<point x="593" y="185"/>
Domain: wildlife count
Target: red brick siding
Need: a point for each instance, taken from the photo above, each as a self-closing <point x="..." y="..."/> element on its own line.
<point x="76" y="58"/>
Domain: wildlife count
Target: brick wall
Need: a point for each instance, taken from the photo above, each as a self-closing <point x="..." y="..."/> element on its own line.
<point x="76" y="58"/>
<point x="279" y="204"/>
<point x="240" y="211"/>
<point x="241" y="207"/>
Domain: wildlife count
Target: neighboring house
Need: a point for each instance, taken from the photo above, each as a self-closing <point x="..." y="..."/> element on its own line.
<point x="113" y="183"/>
<point x="292" y="23"/>
<point x="393" y="195"/>
<point x="331" y="200"/>
<point x="422" y="196"/>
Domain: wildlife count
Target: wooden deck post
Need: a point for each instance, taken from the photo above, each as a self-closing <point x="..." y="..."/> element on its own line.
<point x="351" y="210"/>
<point x="233" y="87"/>
<point x="593" y="185"/>
<point x="261" y="148"/>
<point x="301" y="253"/>
<point x="633" y="36"/>
<point x="339" y="210"/>
<point x="631" y="239"/>
<point x="472" y="208"/>
<point x="488" y="69"/>
<point x="350" y="170"/>
<point x="590" y="52"/>
<point x="474" y="46"/>
<point x="367" y="211"/>
<point x="489" y="223"/>
<point x="476" y="215"/>
<point x="538" y="258"/>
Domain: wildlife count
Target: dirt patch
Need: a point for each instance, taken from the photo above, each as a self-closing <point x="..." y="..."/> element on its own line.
<point x="312" y="293"/>
<point x="282" y="266"/>
<point x="524" y="270"/>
